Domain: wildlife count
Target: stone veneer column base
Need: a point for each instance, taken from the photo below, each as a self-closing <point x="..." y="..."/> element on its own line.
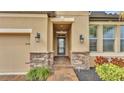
<point x="41" y="59"/>
<point x="80" y="60"/>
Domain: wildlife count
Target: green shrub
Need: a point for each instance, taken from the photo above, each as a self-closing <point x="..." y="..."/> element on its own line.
<point x="38" y="73"/>
<point x="110" y="72"/>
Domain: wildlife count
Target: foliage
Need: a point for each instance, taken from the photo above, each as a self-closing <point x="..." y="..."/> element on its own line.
<point x="116" y="61"/>
<point x="110" y="72"/>
<point x="110" y="69"/>
<point x="101" y="60"/>
<point x="38" y="73"/>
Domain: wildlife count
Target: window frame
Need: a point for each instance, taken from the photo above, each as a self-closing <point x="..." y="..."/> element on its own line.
<point x="93" y="38"/>
<point x="121" y="38"/>
<point x="92" y="45"/>
<point x="113" y="38"/>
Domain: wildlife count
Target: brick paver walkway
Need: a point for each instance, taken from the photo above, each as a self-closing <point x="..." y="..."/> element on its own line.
<point x="12" y="78"/>
<point x="63" y="71"/>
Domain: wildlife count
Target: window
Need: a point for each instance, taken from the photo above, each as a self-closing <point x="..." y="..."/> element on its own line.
<point x="93" y="37"/>
<point x="122" y="38"/>
<point x="108" y="38"/>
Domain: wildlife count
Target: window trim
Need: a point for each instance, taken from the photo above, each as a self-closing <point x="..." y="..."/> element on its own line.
<point x="93" y="38"/>
<point x="121" y="38"/>
<point x="113" y="38"/>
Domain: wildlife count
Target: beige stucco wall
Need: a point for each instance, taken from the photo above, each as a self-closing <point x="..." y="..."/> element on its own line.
<point x="36" y="22"/>
<point x="14" y="51"/>
<point x="80" y="26"/>
<point x="50" y="39"/>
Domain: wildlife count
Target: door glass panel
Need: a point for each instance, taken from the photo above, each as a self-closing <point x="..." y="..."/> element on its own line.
<point x="61" y="45"/>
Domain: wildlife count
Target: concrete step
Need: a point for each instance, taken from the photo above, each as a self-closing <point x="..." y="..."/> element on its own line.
<point x="64" y="66"/>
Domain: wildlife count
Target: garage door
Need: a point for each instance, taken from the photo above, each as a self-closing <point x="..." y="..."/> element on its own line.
<point x="14" y="52"/>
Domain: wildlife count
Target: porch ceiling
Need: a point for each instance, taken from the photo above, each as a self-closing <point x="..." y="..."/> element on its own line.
<point x="61" y="27"/>
<point x="62" y="20"/>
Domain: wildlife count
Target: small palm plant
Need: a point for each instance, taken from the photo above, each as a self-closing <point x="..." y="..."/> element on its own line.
<point x="38" y="73"/>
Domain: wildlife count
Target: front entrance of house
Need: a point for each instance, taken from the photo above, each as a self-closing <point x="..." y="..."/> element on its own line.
<point x="62" y="42"/>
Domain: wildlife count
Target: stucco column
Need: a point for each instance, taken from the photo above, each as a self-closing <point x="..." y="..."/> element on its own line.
<point x="80" y="50"/>
<point x="100" y="38"/>
<point x="80" y="27"/>
<point x="50" y="36"/>
<point x="117" y="39"/>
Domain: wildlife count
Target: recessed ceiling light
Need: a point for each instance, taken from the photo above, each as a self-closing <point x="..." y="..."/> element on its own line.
<point x="61" y="26"/>
<point x="61" y="16"/>
<point x="61" y="32"/>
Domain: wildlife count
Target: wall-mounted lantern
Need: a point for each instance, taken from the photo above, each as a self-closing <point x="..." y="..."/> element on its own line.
<point x="37" y="37"/>
<point x="81" y="38"/>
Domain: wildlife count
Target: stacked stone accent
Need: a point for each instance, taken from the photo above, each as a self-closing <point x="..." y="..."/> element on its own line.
<point x="51" y="58"/>
<point x="80" y="60"/>
<point x="41" y="59"/>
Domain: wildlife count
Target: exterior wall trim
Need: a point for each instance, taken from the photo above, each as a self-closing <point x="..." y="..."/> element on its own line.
<point x="14" y="73"/>
<point x="106" y="23"/>
<point x="22" y="15"/>
<point x="72" y="13"/>
<point x="15" y="30"/>
<point x="107" y="54"/>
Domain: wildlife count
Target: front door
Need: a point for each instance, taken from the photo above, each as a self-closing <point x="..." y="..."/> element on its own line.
<point x="61" y="45"/>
